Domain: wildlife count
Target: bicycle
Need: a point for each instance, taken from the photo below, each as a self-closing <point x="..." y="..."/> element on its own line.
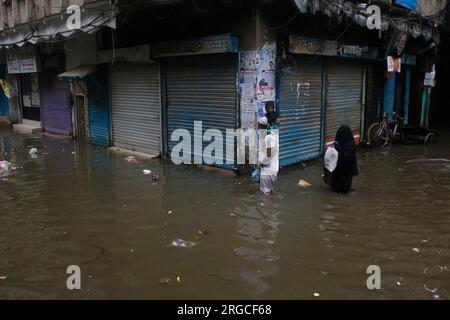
<point x="381" y="134"/>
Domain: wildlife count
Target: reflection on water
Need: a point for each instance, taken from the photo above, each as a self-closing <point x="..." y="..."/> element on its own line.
<point x="76" y="204"/>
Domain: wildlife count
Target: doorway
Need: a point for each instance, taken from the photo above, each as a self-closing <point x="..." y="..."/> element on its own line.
<point x="30" y="98"/>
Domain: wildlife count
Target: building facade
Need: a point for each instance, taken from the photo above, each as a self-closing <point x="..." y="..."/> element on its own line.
<point x="134" y="72"/>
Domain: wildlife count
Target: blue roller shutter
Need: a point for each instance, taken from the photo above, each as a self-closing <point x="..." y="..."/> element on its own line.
<point x="201" y="88"/>
<point x="300" y="105"/>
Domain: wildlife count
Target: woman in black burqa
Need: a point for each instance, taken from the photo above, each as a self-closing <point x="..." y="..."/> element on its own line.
<point x="347" y="167"/>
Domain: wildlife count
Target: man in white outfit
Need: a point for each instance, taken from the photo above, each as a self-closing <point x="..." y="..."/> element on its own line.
<point x="268" y="155"/>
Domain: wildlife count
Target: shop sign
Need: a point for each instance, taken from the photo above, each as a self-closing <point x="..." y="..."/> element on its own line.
<point x="203" y="45"/>
<point x="22" y="62"/>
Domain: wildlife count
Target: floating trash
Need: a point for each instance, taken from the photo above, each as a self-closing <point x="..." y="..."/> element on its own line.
<point x="5" y="165"/>
<point x="131" y="159"/>
<point x="146" y="171"/>
<point x="430" y="290"/>
<point x="183" y="243"/>
<point x="304" y="184"/>
<point x="416" y="250"/>
<point x="316" y="294"/>
<point x="164" y="280"/>
<point x="33" y="151"/>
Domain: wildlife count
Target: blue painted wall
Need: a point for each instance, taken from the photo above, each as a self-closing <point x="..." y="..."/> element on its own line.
<point x="99" y="110"/>
<point x="4" y="106"/>
<point x="389" y="95"/>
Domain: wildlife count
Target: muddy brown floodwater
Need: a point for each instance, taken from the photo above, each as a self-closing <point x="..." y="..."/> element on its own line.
<point x="78" y="205"/>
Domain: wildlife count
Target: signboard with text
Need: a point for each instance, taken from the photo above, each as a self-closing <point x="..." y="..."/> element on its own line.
<point x="311" y="46"/>
<point x="22" y="62"/>
<point x="204" y="45"/>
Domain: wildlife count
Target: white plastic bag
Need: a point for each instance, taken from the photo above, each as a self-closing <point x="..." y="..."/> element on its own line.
<point x="331" y="159"/>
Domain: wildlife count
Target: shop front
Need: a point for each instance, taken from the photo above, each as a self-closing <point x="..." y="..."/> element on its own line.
<point x="300" y="105"/>
<point x="344" y="93"/>
<point x="200" y="87"/>
<point x="136" y="108"/>
<point x="24" y="64"/>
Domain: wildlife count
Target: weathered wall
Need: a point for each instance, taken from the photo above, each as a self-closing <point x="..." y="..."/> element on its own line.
<point x="430" y="7"/>
<point x="81" y="50"/>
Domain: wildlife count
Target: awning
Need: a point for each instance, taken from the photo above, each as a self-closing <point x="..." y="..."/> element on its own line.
<point x="79" y="73"/>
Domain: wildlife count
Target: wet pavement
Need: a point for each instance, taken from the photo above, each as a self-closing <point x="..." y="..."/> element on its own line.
<point x="79" y="205"/>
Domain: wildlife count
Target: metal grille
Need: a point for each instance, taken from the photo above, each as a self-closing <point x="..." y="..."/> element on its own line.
<point x="300" y="111"/>
<point x="136" y="120"/>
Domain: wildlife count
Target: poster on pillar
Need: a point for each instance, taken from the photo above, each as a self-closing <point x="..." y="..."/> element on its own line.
<point x="248" y="70"/>
<point x="394" y="64"/>
<point x="266" y="76"/>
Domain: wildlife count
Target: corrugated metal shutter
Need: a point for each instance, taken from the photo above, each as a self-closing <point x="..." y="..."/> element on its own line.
<point x="55" y="102"/>
<point x="201" y="88"/>
<point x="98" y="106"/>
<point x="300" y="107"/>
<point x="136" y="121"/>
<point x="344" y="96"/>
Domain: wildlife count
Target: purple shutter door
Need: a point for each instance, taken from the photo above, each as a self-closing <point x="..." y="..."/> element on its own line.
<point x="55" y="102"/>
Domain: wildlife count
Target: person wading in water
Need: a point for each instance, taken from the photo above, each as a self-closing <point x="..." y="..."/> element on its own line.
<point x="347" y="167"/>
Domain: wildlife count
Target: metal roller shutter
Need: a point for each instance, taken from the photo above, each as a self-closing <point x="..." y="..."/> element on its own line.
<point x="135" y="97"/>
<point x="300" y="108"/>
<point x="201" y="88"/>
<point x="344" y="96"/>
<point x="55" y="102"/>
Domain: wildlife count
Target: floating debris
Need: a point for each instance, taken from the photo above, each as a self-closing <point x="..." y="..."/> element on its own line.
<point x="178" y="279"/>
<point x="2" y="277"/>
<point x="164" y="280"/>
<point x="183" y="243"/>
<point x="304" y="184"/>
<point x="33" y="151"/>
<point x="416" y="250"/>
<point x="131" y="159"/>
<point x="146" y="171"/>
<point x="316" y="294"/>
<point x="430" y="290"/>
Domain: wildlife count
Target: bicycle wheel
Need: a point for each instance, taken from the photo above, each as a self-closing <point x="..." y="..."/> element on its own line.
<point x="430" y="138"/>
<point x="377" y="135"/>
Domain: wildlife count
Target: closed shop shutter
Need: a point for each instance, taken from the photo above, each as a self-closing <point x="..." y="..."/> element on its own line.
<point x="300" y="107"/>
<point x="55" y="102"/>
<point x="135" y="98"/>
<point x="98" y="106"/>
<point x="201" y="88"/>
<point x="344" y="96"/>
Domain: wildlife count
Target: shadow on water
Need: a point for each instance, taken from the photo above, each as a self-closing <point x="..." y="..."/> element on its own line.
<point x="77" y="204"/>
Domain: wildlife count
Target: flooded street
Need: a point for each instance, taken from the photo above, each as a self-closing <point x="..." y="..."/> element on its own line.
<point x="78" y="205"/>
